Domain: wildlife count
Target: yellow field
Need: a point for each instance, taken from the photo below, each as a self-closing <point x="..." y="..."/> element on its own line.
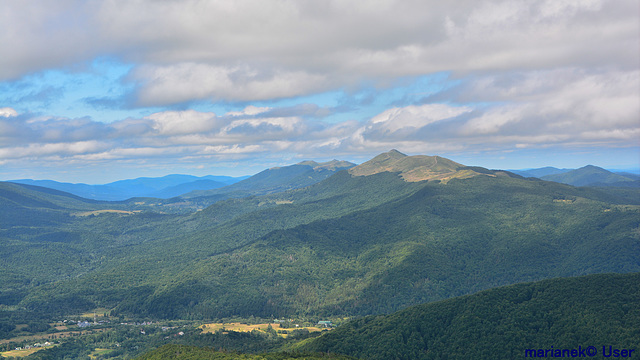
<point x="50" y="336"/>
<point x="98" y="212"/>
<point x="99" y="313"/>
<point x="97" y="352"/>
<point x="211" y="328"/>
<point x="23" y="353"/>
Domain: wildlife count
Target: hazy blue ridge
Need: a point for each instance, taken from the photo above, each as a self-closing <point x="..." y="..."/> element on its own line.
<point x="540" y="172"/>
<point x="164" y="187"/>
<point x="588" y="176"/>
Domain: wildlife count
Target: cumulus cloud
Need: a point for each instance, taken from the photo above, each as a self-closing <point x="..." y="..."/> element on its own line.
<point x="183" y="122"/>
<point x="247" y="50"/>
<point x="8" y="112"/>
<point x="515" y="110"/>
<point x="414" y="117"/>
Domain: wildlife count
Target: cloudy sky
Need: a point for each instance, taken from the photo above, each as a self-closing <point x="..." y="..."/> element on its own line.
<point x="96" y="91"/>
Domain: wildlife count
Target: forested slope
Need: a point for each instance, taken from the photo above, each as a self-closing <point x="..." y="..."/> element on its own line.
<point x="502" y="323"/>
<point x="183" y="352"/>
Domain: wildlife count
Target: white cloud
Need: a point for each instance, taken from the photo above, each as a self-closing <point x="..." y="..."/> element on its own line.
<point x="194" y="81"/>
<point x="249" y="110"/>
<point x="8" y="112"/>
<point x="183" y="122"/>
<point x="248" y="50"/>
<point x="415" y="117"/>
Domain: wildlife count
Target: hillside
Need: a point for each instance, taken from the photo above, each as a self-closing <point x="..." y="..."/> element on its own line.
<point x="34" y="205"/>
<point x="183" y="352"/>
<point x="277" y="179"/>
<point x="501" y="323"/>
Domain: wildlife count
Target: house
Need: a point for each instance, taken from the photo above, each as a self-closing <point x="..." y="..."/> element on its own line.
<point x="325" y="323"/>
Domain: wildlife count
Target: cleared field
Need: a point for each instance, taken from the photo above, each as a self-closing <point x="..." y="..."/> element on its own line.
<point x="239" y="327"/>
<point x="98" y="212"/>
<point x="98" y="352"/>
<point x="51" y="336"/>
<point x="99" y="312"/>
<point x="23" y="353"/>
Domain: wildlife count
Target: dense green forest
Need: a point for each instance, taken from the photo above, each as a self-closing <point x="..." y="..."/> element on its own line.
<point x="183" y="352"/>
<point x="501" y="323"/>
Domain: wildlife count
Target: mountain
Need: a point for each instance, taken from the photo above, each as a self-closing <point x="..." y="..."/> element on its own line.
<point x="413" y="168"/>
<point x="95" y="192"/>
<point x="351" y="244"/>
<point x="591" y="176"/>
<point x="28" y="205"/>
<point x="518" y="321"/>
<point x="277" y="179"/>
<point x="540" y="172"/>
<point x="163" y="187"/>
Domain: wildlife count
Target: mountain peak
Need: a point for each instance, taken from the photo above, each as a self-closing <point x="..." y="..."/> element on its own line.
<point x="332" y="165"/>
<point x="412" y="168"/>
<point x="394" y="153"/>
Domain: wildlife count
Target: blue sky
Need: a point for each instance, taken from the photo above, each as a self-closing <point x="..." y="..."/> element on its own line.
<point x="100" y="91"/>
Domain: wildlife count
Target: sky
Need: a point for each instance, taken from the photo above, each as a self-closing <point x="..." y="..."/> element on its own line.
<point x="98" y="91"/>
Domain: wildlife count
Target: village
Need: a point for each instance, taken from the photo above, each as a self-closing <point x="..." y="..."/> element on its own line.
<point x="92" y="324"/>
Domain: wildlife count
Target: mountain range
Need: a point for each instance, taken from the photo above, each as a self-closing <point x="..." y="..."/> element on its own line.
<point x="303" y="174"/>
<point x="394" y="231"/>
<point x="211" y="188"/>
<point x="308" y="240"/>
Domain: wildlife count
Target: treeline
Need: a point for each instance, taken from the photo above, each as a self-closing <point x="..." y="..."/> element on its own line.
<point x="182" y="352"/>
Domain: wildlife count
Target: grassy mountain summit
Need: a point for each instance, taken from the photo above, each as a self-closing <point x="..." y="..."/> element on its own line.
<point x="414" y="168"/>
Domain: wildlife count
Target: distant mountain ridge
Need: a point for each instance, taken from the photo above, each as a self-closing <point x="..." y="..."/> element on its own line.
<point x="588" y="175"/>
<point x="161" y="187"/>
<point x="540" y="172"/>
<point x="591" y="175"/>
